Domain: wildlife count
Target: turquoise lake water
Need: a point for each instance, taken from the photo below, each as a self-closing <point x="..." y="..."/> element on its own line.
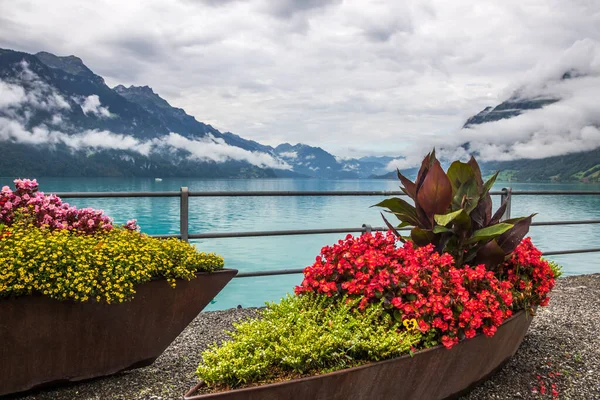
<point x="161" y="216"/>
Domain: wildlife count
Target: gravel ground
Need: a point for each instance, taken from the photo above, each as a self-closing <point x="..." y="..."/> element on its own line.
<point x="562" y="348"/>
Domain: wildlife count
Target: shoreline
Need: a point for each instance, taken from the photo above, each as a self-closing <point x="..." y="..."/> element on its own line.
<point x="564" y="337"/>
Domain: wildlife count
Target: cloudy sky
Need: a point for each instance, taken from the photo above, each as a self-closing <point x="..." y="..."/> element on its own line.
<point x="355" y="77"/>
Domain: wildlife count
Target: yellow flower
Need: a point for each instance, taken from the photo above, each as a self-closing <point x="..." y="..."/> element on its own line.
<point x="104" y="266"/>
<point x="411" y="325"/>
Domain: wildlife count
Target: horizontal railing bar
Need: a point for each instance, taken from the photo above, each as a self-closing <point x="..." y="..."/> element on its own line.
<point x="269" y="273"/>
<point x="290" y="232"/>
<point x="300" y="270"/>
<point x="368" y="193"/>
<point x="559" y="252"/>
<point x="82" y="195"/>
<point x="552" y="192"/>
<point x="169" y="236"/>
<point x="90" y="195"/>
<point x="580" y="222"/>
<point x="278" y="193"/>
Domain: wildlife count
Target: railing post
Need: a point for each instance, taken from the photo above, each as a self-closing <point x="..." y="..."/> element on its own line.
<point x="368" y="228"/>
<point x="184" y="214"/>
<point x="506" y="194"/>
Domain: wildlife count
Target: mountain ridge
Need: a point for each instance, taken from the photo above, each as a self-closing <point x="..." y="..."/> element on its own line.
<point x="64" y="116"/>
<point x="141" y="116"/>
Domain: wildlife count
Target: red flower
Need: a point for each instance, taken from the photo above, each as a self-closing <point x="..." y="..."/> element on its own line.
<point x="418" y="282"/>
<point x="530" y="275"/>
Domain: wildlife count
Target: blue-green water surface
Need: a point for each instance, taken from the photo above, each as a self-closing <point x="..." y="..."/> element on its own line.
<point x="230" y="214"/>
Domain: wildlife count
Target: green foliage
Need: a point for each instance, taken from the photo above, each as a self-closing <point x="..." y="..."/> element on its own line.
<point x="453" y="211"/>
<point x="105" y="266"/>
<point x="556" y="268"/>
<point x="304" y="335"/>
<point x="560" y="168"/>
<point x="591" y="171"/>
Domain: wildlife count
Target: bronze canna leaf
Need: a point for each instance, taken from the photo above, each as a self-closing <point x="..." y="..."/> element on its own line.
<point x="410" y="188"/>
<point x="491" y="255"/>
<point x="509" y="240"/>
<point x="422" y="237"/>
<point x="435" y="195"/>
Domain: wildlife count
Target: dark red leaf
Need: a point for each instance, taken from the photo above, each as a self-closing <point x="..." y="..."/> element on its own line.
<point x="483" y="212"/>
<point x="435" y="195"/>
<point x="422" y="172"/>
<point x="424" y="220"/>
<point x="410" y="188"/>
<point x="491" y="255"/>
<point x="393" y="229"/>
<point x="473" y="163"/>
<point x="422" y="237"/>
<point x="509" y="240"/>
<point x="500" y="212"/>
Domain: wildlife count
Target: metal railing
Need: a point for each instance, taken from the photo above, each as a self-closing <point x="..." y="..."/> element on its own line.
<point x="184" y="194"/>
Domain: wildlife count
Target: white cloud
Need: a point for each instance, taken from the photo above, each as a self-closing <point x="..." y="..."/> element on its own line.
<point x="569" y="125"/>
<point x="11" y="95"/>
<point x="39" y="95"/>
<point x="92" y="105"/>
<point x="218" y="151"/>
<point x="202" y="150"/>
<point x="385" y="77"/>
<point x="12" y="130"/>
<point x="56" y="120"/>
<point x="289" y="154"/>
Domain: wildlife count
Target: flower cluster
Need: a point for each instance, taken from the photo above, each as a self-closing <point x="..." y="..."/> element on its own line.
<point x="105" y="266"/>
<point x="50" y="211"/>
<point x="531" y="276"/>
<point x="447" y="302"/>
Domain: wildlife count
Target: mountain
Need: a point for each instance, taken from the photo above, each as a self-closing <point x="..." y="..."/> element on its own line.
<point x="581" y="166"/>
<point x="385" y="160"/>
<point x="316" y="162"/>
<point x="61" y="114"/>
<point x="508" y="109"/>
<point x="59" y="118"/>
<point x="410" y="173"/>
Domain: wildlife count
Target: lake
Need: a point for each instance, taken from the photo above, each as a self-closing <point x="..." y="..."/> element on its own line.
<point x="229" y="214"/>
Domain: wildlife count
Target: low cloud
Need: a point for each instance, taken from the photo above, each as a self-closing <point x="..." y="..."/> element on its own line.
<point x="567" y="126"/>
<point x="211" y="149"/>
<point x="19" y="103"/>
<point x="14" y="131"/>
<point x="203" y="150"/>
<point x="11" y="95"/>
<point x="289" y="154"/>
<point x="570" y="125"/>
<point x="377" y="75"/>
<point x="91" y="105"/>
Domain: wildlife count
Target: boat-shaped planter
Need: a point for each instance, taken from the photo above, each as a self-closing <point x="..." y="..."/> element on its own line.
<point x="46" y="341"/>
<point x="432" y="374"/>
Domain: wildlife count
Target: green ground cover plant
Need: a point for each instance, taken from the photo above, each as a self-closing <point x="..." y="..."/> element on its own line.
<point x="305" y="335"/>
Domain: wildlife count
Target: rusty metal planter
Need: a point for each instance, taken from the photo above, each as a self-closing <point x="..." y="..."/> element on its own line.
<point x="435" y="373"/>
<point x="45" y="341"/>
